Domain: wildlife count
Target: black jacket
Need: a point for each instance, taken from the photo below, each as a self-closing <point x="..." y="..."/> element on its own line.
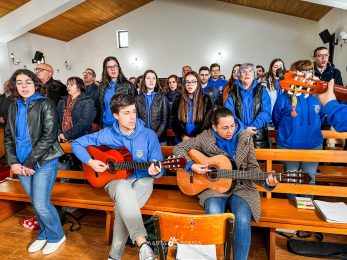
<point x="124" y="87"/>
<point x="83" y="114"/>
<point x="260" y="139"/>
<point x="329" y="73"/>
<point x="179" y="127"/>
<point x="159" y="113"/>
<point x="55" y="90"/>
<point x="5" y="103"/>
<point x="171" y="95"/>
<point x="42" y="122"/>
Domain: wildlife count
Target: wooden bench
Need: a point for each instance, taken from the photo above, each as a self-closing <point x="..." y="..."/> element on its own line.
<point x="276" y="212"/>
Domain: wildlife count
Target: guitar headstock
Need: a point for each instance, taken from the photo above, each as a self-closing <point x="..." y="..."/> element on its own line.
<point x="297" y="177"/>
<point x="173" y="163"/>
<point x="304" y="82"/>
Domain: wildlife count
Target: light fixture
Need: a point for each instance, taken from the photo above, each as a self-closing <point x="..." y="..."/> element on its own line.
<point x="67" y="65"/>
<point x="343" y="36"/>
<point x="15" y="60"/>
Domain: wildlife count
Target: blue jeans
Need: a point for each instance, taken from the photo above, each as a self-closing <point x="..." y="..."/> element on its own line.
<point x="39" y="188"/>
<point x="309" y="167"/>
<point x="242" y="226"/>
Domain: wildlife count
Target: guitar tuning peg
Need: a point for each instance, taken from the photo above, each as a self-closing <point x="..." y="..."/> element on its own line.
<point x="306" y="95"/>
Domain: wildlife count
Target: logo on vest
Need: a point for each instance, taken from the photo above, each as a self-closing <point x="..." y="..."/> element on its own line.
<point x="139" y="153"/>
<point x="316" y="109"/>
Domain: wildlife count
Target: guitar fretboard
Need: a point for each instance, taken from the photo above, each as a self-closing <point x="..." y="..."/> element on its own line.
<point x="243" y="175"/>
<point x="129" y="165"/>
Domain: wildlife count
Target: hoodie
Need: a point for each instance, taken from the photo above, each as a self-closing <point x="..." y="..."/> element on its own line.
<point x="219" y="84"/>
<point x="142" y="144"/>
<point x="229" y="146"/>
<point x="337" y="115"/>
<point x="302" y="131"/>
<point x="248" y="119"/>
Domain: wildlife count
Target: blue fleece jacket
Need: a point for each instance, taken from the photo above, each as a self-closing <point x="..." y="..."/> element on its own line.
<point x="143" y="145"/>
<point x="149" y="100"/>
<point x="219" y="84"/>
<point x="263" y="117"/>
<point x="23" y="142"/>
<point x="302" y="131"/>
<point x="337" y="115"/>
<point x="107" y="116"/>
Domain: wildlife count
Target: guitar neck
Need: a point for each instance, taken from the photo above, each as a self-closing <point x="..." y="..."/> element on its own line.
<point x="244" y="175"/>
<point x="340" y="91"/>
<point x="130" y="165"/>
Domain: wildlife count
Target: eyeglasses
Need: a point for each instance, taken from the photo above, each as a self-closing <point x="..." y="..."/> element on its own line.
<point x="216" y="70"/>
<point x="247" y="71"/>
<point x="28" y="82"/>
<point x="39" y="70"/>
<point x="87" y="74"/>
<point x="193" y="82"/>
<point x="226" y="128"/>
<point x="322" y="55"/>
<point x="112" y="67"/>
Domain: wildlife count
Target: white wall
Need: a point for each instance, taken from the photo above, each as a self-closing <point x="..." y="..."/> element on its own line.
<point x="55" y="53"/>
<point x="336" y="21"/>
<point x="165" y="35"/>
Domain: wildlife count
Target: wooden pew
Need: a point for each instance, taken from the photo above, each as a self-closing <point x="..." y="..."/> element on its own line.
<point x="276" y="213"/>
<point x="2" y="148"/>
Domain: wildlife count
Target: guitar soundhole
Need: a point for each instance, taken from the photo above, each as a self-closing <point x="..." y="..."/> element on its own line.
<point x="212" y="175"/>
<point x="111" y="166"/>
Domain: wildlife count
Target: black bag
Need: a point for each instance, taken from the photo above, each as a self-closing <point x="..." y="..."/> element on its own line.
<point x="314" y="248"/>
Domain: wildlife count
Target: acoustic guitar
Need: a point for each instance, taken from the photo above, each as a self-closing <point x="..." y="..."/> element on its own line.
<point x="221" y="175"/>
<point x="309" y="85"/>
<point x="120" y="165"/>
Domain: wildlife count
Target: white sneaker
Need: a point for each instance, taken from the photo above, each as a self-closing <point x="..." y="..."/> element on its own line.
<point x="146" y="252"/>
<point x="52" y="247"/>
<point x="36" y="246"/>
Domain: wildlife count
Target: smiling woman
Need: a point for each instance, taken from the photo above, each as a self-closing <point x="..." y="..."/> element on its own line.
<point x="32" y="152"/>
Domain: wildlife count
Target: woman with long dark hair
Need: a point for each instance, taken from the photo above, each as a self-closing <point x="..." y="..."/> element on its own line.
<point x="113" y="82"/>
<point x="190" y="108"/>
<point x="151" y="105"/>
<point x="32" y="151"/>
<point x="231" y="82"/>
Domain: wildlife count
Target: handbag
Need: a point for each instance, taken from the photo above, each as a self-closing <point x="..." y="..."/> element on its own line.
<point x="314" y="248"/>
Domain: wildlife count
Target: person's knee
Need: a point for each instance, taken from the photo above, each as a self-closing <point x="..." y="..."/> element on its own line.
<point x="213" y="207"/>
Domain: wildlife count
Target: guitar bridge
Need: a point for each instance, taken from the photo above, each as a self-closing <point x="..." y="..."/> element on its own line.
<point x="191" y="177"/>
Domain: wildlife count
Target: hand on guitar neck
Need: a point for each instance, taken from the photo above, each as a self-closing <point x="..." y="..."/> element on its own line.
<point x="326" y="97"/>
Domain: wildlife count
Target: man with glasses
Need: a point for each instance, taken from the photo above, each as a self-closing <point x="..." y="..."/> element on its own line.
<point x="92" y="89"/>
<point x="55" y="88"/>
<point x="323" y="69"/>
<point x="226" y="137"/>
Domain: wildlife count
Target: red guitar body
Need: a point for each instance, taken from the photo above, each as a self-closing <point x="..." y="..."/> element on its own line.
<point x="102" y="153"/>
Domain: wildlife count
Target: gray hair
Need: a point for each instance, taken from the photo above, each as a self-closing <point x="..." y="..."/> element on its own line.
<point x="244" y="66"/>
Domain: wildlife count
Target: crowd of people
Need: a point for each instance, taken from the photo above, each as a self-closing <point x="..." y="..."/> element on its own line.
<point x="206" y="112"/>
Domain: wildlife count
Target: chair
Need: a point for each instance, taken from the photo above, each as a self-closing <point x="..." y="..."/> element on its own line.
<point x="209" y="229"/>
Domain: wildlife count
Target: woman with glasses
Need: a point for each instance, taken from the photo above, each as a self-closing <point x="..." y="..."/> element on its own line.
<point x="190" y="108"/>
<point x="151" y="105"/>
<point x="298" y="118"/>
<point x="226" y="137"/>
<point x="250" y="102"/>
<point x="32" y="151"/>
<point x="113" y="82"/>
<point x="231" y="82"/>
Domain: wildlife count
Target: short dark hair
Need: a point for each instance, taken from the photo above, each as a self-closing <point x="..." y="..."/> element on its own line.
<point x="39" y="86"/>
<point x="319" y="49"/>
<point x="204" y="68"/>
<point x="214" y="65"/>
<point x="93" y="72"/>
<point x="79" y="83"/>
<point x="259" y="66"/>
<point x="120" y="101"/>
<point x="217" y="112"/>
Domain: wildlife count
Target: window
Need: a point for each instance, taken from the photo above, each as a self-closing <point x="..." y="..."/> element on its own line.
<point x="122" y="39"/>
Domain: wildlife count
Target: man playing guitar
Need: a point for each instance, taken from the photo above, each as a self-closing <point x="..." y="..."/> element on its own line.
<point x="132" y="193"/>
<point x="227" y="138"/>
